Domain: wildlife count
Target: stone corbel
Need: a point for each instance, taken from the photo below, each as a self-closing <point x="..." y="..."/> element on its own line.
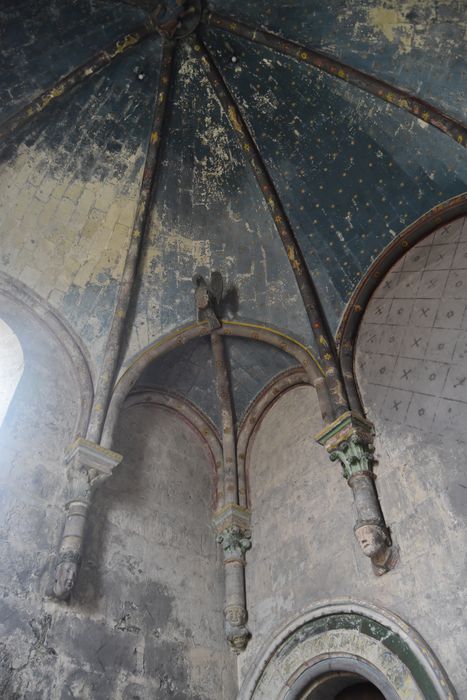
<point x="349" y="440"/>
<point x="88" y="465"/>
<point x="232" y="524"/>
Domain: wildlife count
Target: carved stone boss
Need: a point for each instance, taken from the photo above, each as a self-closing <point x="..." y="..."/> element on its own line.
<point x="349" y="439"/>
<point x="88" y="465"/>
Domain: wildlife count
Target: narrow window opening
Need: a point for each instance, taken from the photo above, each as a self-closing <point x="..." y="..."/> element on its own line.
<point x="11" y="367"/>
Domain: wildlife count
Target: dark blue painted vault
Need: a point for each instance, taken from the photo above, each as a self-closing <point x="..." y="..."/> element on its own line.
<point x="419" y="46"/>
<point x="188" y="372"/>
<point x="351" y="170"/>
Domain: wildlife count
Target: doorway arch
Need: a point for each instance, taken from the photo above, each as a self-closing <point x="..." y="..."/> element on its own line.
<point x="348" y="636"/>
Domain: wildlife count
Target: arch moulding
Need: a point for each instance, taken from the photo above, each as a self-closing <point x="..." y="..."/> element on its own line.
<point x="257" y="411"/>
<point x="346" y="336"/>
<point x="347" y="634"/>
<point x="14" y="291"/>
<point x="193" y="417"/>
<point x="252" y="331"/>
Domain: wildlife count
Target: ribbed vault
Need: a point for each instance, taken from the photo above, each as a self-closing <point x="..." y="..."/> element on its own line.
<point x="265" y="141"/>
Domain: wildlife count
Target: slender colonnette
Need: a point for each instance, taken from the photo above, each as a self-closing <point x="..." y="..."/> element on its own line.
<point x="100" y="60"/>
<point x="323" y="337"/>
<point x="88" y="462"/>
<point x="231" y="522"/>
<point x="395" y="96"/>
<point x="349" y="438"/>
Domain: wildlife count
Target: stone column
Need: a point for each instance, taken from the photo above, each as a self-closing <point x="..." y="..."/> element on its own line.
<point x="349" y="439"/>
<point x="229" y="446"/>
<point x="232" y="524"/>
<point x="89" y="464"/>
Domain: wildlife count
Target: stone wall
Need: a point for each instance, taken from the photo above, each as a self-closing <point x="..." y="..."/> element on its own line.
<point x="304" y="549"/>
<point x="156" y="599"/>
<point x="39" y="423"/>
<point x="146" y="618"/>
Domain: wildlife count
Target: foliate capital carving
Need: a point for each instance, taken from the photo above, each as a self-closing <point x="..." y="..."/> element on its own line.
<point x="354" y="456"/>
<point x="232" y="523"/>
<point x="235" y="542"/>
<point x="89" y="463"/>
<point x="349" y="439"/>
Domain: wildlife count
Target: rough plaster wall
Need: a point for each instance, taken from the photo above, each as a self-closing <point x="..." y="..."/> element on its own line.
<point x="38" y="426"/>
<point x="304" y="549"/>
<point x="151" y="591"/>
<point x="146" y="621"/>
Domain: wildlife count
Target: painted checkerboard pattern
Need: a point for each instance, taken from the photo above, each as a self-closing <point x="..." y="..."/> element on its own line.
<point x="411" y="358"/>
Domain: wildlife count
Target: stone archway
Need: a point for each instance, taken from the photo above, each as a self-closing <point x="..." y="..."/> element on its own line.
<point x="434" y="220"/>
<point x="20" y="307"/>
<point x="252" y="331"/>
<point x="349" y="636"/>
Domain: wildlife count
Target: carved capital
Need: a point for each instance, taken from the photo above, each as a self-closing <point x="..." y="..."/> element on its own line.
<point x="235" y="542"/>
<point x="349" y="439"/>
<point x="89" y="464"/>
<point x="354" y="456"/>
<point x="232" y="523"/>
<point x="69" y="555"/>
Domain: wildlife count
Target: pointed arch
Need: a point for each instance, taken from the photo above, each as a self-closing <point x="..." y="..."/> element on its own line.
<point x="347" y="333"/>
<point x="201" y="425"/>
<point x="253" y="418"/>
<point x="253" y="331"/>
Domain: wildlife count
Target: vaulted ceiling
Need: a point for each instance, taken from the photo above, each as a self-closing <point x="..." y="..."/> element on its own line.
<point x="353" y="161"/>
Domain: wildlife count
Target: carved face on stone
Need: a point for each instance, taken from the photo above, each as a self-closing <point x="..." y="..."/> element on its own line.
<point x="238" y="638"/>
<point x="372" y="539"/>
<point x="65" y="578"/>
<point x="235" y="615"/>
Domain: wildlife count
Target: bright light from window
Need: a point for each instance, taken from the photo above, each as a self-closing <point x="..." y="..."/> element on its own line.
<point x="11" y="367"/>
